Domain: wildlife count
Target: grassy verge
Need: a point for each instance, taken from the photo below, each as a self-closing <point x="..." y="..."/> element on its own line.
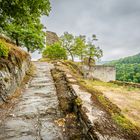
<point x="111" y="108"/>
<point x="112" y="86"/>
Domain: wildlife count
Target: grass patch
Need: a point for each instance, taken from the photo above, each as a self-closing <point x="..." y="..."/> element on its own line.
<point x="44" y="60"/>
<point x="4" y="50"/>
<point x="78" y="101"/>
<point x="14" y="50"/>
<point x="102" y="99"/>
<point x="74" y="67"/>
<point x="13" y="54"/>
<point x="123" y="122"/>
<point x="111" y="108"/>
<point x="111" y="86"/>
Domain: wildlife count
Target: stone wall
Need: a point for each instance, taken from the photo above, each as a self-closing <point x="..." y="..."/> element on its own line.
<point x="93" y="119"/>
<point x="128" y="84"/>
<point x="103" y="73"/>
<point x="12" y="70"/>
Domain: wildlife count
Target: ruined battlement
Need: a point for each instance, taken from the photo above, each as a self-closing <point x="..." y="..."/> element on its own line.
<point x="101" y="72"/>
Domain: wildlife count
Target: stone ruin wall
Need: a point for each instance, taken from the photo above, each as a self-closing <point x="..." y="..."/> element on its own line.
<point x="103" y="73"/>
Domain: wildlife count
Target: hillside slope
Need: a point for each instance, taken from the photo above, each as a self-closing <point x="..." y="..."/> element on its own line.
<point x="128" y="68"/>
<point x="135" y="59"/>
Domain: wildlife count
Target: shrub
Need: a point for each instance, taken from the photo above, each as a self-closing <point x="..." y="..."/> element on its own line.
<point x="4" y="50"/>
<point x="55" y="51"/>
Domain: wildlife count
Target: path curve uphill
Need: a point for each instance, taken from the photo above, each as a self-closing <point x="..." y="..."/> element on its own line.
<point x="33" y="118"/>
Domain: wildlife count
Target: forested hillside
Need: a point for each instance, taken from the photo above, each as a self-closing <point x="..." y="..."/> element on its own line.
<point x="128" y="68"/>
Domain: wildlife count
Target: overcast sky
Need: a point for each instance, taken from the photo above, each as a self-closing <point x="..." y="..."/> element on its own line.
<point x="115" y="22"/>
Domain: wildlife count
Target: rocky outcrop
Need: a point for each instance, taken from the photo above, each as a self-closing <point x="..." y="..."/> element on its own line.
<point x="12" y="69"/>
<point x="51" y="38"/>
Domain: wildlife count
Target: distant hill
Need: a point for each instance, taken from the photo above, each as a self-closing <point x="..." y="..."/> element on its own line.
<point x="127" y="69"/>
<point x="101" y="62"/>
<point x="135" y="59"/>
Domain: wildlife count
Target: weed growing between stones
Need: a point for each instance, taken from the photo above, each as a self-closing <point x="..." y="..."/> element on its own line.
<point x="4" y="50"/>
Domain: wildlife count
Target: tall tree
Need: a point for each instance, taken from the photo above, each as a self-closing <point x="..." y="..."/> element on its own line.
<point x="93" y="52"/>
<point x="68" y="43"/>
<point x="80" y="46"/>
<point x="22" y="10"/>
<point x="30" y="36"/>
<point x="20" y="20"/>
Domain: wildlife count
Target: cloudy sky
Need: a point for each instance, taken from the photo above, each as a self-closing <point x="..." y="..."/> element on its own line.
<point x="115" y="22"/>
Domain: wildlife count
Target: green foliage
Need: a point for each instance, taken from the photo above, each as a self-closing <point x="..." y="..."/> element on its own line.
<point x="55" y="52"/>
<point x="67" y="41"/>
<point x="22" y="11"/>
<point x="30" y="36"/>
<point x="128" y="69"/>
<point x="80" y="46"/>
<point x="77" y="46"/>
<point x="122" y="121"/>
<point x="20" y="20"/>
<point x="127" y="60"/>
<point x="4" y="50"/>
<point x="128" y="72"/>
<point x="78" y="101"/>
<point x="92" y="52"/>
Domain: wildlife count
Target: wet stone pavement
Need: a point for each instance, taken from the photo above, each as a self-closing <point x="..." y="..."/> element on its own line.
<point x="33" y="118"/>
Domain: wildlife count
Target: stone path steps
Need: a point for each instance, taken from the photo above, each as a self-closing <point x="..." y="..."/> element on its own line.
<point x="34" y="116"/>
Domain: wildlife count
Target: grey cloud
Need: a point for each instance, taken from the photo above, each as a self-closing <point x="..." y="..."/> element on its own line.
<point x="115" y="22"/>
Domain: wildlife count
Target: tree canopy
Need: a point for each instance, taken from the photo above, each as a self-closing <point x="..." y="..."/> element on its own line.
<point x="77" y="46"/>
<point x="67" y="41"/>
<point x="93" y="53"/>
<point x="20" y="20"/>
<point x="22" y="11"/>
<point x="55" y="52"/>
<point x="128" y="68"/>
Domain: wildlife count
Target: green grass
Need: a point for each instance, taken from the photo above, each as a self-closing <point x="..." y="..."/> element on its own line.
<point x="78" y="101"/>
<point x="103" y="100"/>
<point x="4" y="50"/>
<point x="112" y="109"/>
<point x="44" y="60"/>
<point x="123" y="122"/>
<point x="111" y="86"/>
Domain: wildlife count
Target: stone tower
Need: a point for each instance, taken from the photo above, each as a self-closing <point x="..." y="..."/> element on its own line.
<point x="51" y="38"/>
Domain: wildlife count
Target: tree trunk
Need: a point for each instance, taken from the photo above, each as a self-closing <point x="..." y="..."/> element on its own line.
<point x="28" y="49"/>
<point x="72" y="58"/>
<point x="81" y="57"/>
<point x="17" y="42"/>
<point x="89" y="63"/>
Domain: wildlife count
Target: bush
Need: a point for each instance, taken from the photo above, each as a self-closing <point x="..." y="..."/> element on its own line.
<point x="4" y="50"/>
<point x="55" y="51"/>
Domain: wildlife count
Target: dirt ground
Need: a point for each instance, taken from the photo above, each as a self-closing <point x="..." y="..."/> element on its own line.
<point x="126" y="98"/>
